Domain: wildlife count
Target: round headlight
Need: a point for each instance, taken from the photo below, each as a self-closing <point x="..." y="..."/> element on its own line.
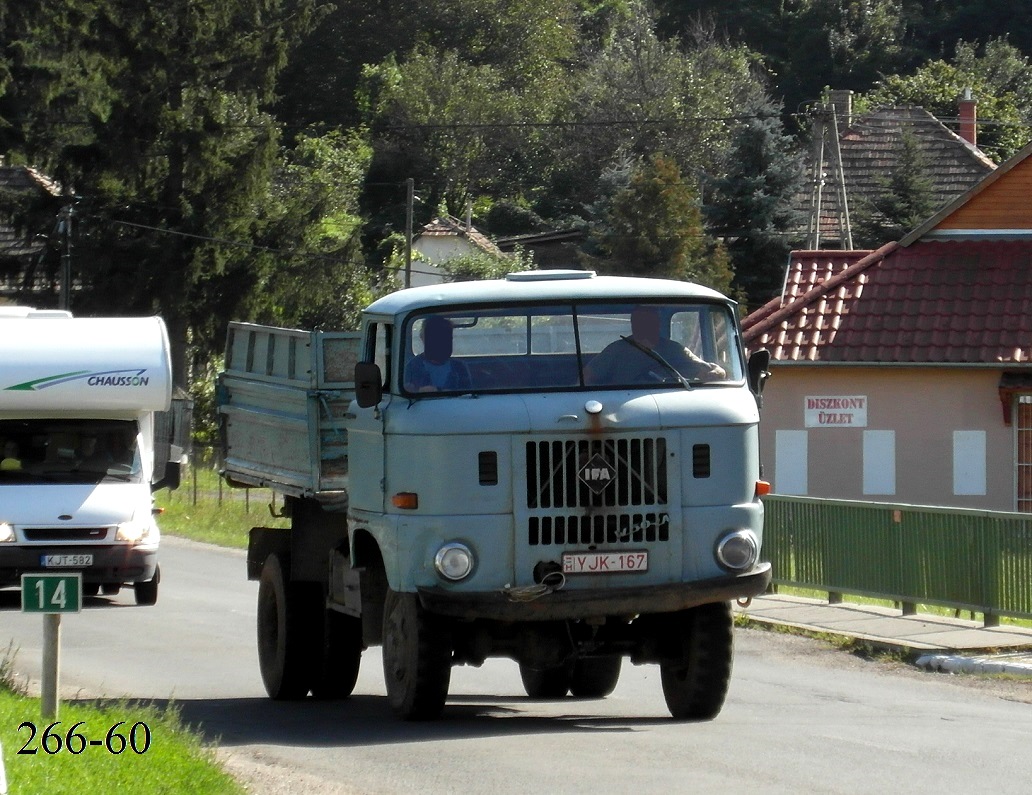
<point x="454" y="561"/>
<point x="6" y="532"/>
<point x="738" y="550"/>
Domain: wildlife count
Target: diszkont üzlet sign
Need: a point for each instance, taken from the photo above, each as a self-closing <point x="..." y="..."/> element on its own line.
<point x="835" y="411"/>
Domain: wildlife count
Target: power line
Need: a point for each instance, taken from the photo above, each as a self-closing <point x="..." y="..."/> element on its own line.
<point x="255" y="247"/>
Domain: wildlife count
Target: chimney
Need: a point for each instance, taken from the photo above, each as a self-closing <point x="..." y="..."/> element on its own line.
<point x="968" y="115"/>
<point x="842" y="100"/>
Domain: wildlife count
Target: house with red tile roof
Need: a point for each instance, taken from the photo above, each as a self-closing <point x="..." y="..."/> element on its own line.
<point x="904" y="374"/>
<point x="445" y="238"/>
<point x="856" y="167"/>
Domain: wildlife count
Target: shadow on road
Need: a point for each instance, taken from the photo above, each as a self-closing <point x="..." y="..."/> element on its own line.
<point x="366" y="720"/>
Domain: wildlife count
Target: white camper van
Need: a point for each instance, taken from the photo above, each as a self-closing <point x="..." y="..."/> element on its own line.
<point x="78" y="401"/>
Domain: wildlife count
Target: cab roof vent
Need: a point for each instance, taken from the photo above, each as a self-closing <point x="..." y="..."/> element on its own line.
<point x="558" y="274"/>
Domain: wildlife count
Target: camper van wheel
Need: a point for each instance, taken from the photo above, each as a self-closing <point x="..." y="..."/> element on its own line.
<point x="342" y="655"/>
<point x="146" y="593"/>
<point x="416" y="658"/>
<point x="695" y="681"/>
<point x="546" y="683"/>
<point x="286" y="632"/>
<point x="595" y="677"/>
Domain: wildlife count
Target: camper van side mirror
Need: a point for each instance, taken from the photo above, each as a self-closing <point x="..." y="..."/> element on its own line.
<point x="759" y="372"/>
<point x="171" y="479"/>
<point x="368" y="384"/>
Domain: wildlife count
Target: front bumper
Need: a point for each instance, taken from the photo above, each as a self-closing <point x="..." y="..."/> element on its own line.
<point x="121" y="564"/>
<point x="595" y="602"/>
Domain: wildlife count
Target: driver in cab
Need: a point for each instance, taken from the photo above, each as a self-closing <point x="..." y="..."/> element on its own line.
<point x="647" y="357"/>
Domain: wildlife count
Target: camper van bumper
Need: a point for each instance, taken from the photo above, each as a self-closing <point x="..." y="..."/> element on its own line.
<point x="109" y="564"/>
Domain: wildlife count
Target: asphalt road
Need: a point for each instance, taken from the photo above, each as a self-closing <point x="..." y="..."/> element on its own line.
<point x="800" y="717"/>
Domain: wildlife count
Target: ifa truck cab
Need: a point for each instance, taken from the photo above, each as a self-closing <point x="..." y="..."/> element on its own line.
<point x="82" y="401"/>
<point x="557" y="467"/>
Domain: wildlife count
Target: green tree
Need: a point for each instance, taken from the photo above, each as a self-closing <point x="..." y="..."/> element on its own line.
<point x="154" y="115"/>
<point x="526" y="41"/>
<point x="653" y="227"/>
<point x="905" y="201"/>
<point x="805" y="45"/>
<point x="999" y="76"/>
<point x="474" y="267"/>
<point x="316" y="276"/>
<point x="750" y="203"/>
<point x="640" y="95"/>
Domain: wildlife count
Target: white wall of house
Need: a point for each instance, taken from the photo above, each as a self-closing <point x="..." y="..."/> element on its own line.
<point x="917" y="435"/>
<point x="432" y="251"/>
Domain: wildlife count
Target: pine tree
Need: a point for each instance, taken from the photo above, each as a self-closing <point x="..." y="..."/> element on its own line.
<point x="750" y="207"/>
<point x="906" y="200"/>
<point x="653" y="227"/>
<point x="154" y="115"/>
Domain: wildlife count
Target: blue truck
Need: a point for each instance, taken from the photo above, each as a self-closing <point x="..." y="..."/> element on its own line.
<point x="556" y="467"/>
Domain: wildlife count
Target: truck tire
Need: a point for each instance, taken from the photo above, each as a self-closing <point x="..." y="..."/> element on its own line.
<point x="416" y="658"/>
<point x="595" y="677"/>
<point x="342" y="655"/>
<point x="696" y="683"/>
<point x="287" y="636"/>
<point x="546" y="683"/>
<point x="146" y="593"/>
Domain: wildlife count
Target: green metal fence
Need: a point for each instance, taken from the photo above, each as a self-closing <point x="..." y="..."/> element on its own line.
<point x="966" y="559"/>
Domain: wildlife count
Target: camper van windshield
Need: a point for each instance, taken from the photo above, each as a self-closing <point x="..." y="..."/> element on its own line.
<point x="68" y="451"/>
<point x="665" y="344"/>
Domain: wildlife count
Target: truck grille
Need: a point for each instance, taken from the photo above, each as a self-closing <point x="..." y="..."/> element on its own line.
<point x="622" y="528"/>
<point x="632" y="472"/>
<point x="585" y="491"/>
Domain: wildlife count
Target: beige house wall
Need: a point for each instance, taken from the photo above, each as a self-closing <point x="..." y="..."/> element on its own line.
<point x="925" y="427"/>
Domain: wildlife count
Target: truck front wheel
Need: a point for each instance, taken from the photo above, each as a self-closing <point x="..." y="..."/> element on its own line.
<point x="416" y="658"/>
<point x="696" y="678"/>
<point x="285" y="636"/>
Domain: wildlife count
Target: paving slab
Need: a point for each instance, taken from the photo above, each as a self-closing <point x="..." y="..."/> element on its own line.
<point x="886" y="626"/>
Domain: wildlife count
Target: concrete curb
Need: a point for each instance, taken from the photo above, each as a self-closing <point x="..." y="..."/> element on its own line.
<point x="1017" y="664"/>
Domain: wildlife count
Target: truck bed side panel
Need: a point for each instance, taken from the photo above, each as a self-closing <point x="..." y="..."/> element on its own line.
<point x="283" y="397"/>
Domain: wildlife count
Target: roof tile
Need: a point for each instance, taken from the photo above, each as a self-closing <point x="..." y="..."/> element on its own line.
<point x="956" y="302"/>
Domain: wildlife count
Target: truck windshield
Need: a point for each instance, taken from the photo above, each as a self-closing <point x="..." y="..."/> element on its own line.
<point x="68" y="451"/>
<point x="666" y="344"/>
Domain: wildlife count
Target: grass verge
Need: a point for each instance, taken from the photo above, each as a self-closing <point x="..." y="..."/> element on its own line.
<point x="176" y="760"/>
<point x="205" y="509"/>
<point x="140" y="750"/>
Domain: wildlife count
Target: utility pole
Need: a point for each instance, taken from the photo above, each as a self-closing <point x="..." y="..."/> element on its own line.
<point x="64" y="227"/>
<point x="410" y="199"/>
<point x="826" y="143"/>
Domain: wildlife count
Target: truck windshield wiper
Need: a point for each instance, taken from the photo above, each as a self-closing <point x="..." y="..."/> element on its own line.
<point x="653" y="355"/>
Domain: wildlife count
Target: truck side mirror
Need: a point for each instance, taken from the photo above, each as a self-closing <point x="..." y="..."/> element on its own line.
<point x="759" y="362"/>
<point x="368" y="384"/>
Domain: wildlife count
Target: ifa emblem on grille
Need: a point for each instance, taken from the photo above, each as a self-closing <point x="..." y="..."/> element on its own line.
<point x="597" y="474"/>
